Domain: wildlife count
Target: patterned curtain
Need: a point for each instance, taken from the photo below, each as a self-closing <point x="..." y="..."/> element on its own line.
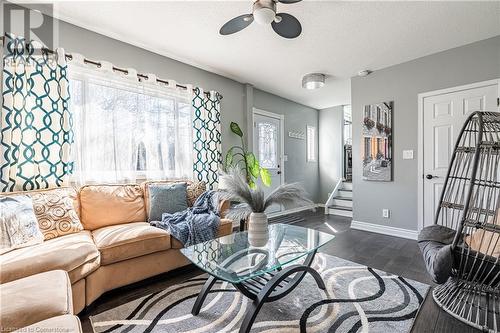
<point x="35" y="122"/>
<point x="207" y="137"/>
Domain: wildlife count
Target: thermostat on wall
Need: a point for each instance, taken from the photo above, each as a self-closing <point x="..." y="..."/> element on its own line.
<point x="407" y="154"/>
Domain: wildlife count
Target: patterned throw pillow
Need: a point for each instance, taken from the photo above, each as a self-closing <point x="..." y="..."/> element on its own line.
<point x="194" y="190"/>
<point x="18" y="224"/>
<point x="55" y="213"/>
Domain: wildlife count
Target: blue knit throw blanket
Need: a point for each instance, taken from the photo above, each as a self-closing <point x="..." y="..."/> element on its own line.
<point x="196" y="224"/>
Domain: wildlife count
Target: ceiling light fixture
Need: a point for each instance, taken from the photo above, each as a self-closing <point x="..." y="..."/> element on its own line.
<point x="364" y="73"/>
<point x="313" y="81"/>
<point x="264" y="12"/>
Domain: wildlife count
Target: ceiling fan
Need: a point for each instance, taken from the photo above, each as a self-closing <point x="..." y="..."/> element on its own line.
<point x="264" y="12"/>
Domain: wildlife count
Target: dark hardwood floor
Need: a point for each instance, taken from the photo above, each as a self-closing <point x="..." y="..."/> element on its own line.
<point x="391" y="254"/>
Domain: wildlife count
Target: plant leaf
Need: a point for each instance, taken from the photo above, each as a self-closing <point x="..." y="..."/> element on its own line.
<point x="266" y="177"/>
<point x="235" y="128"/>
<point x="252" y="184"/>
<point x="229" y="158"/>
<point x="252" y="164"/>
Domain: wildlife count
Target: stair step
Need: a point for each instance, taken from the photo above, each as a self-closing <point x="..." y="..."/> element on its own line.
<point x="340" y="207"/>
<point x="347" y="185"/>
<point x="341" y="202"/>
<point x="340" y="211"/>
<point x="339" y="197"/>
<point x="345" y="193"/>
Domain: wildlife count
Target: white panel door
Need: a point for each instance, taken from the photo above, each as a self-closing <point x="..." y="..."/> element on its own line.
<point x="267" y="134"/>
<point x="444" y="116"/>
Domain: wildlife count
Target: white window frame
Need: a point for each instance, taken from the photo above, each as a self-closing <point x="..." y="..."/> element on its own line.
<point x="311" y="151"/>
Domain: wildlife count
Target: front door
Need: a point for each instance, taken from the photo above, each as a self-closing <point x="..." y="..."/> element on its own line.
<point x="267" y="138"/>
<point x="444" y="116"/>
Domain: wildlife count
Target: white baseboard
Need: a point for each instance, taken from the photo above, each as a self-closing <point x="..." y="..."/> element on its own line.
<point x="293" y="210"/>
<point x="384" y="229"/>
<point x="286" y="212"/>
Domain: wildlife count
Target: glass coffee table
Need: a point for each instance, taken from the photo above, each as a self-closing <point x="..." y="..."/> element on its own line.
<point x="263" y="274"/>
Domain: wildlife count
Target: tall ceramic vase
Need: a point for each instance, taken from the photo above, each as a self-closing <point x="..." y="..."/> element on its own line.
<point x="258" y="231"/>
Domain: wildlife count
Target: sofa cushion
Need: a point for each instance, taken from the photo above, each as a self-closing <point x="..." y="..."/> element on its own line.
<point x="194" y="190"/>
<point x="166" y="198"/>
<point x="125" y="241"/>
<point x="74" y="253"/>
<point x="105" y="205"/>
<point x="18" y="223"/>
<point x="35" y="298"/>
<point x="73" y="194"/>
<point x="55" y="212"/>
<point x="67" y="323"/>
<point x="145" y="188"/>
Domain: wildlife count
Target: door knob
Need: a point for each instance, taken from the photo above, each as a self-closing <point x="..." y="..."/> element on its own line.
<point x="279" y="172"/>
<point x="431" y="176"/>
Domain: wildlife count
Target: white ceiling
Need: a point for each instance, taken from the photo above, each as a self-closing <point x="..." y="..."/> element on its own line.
<point x="339" y="38"/>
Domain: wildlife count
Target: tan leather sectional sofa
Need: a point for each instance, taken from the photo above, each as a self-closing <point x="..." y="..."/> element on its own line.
<point x="117" y="246"/>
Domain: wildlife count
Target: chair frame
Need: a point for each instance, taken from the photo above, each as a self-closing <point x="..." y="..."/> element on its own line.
<point x="469" y="202"/>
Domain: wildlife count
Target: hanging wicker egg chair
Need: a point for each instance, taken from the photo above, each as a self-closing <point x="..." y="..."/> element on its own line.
<point x="462" y="249"/>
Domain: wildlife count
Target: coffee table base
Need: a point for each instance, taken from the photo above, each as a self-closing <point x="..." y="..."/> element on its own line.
<point x="266" y="288"/>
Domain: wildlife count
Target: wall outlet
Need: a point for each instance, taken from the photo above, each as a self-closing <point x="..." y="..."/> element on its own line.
<point x="386" y="213"/>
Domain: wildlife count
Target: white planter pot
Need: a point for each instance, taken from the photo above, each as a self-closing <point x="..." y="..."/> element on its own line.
<point x="258" y="231"/>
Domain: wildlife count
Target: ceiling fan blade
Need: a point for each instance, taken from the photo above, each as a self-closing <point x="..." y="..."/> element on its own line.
<point x="288" y="27"/>
<point x="236" y="24"/>
<point x="289" y="1"/>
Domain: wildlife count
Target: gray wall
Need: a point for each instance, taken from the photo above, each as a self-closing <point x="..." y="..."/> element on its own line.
<point x="297" y="117"/>
<point x="330" y="149"/>
<point x="402" y="83"/>
<point x="238" y="97"/>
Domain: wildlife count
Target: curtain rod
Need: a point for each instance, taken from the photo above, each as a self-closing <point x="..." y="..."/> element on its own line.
<point x="116" y="69"/>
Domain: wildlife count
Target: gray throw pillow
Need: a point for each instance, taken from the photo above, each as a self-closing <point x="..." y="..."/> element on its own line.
<point x="166" y="198"/>
<point x="18" y="223"/>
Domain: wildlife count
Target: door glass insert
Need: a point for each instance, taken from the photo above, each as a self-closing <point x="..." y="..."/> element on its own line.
<point x="268" y="145"/>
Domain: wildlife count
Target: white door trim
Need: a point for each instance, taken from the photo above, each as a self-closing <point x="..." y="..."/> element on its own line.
<point x="281" y="118"/>
<point x="420" y="145"/>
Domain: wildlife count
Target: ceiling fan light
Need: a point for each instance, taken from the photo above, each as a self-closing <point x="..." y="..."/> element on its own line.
<point x="264" y="15"/>
<point x="313" y="81"/>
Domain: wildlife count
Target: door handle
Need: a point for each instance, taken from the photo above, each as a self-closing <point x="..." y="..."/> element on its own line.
<point x="429" y="176"/>
<point x="279" y="172"/>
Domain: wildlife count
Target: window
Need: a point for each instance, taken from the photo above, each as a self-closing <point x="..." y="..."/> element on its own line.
<point x="126" y="130"/>
<point x="311" y="144"/>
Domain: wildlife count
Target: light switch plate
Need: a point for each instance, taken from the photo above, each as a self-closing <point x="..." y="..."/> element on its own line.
<point x="285" y="158"/>
<point x="407" y="154"/>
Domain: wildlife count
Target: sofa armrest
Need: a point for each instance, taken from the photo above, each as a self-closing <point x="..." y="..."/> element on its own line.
<point x="225" y="227"/>
<point x="223" y="207"/>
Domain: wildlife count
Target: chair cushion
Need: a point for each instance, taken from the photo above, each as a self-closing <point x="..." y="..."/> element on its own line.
<point x="105" y="205"/>
<point x="125" y="241"/>
<point x="487" y="242"/>
<point x="74" y="253"/>
<point x="35" y="298"/>
<point x="66" y="323"/>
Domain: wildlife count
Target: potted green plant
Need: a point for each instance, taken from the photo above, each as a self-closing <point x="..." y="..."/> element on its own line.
<point x="241" y="158"/>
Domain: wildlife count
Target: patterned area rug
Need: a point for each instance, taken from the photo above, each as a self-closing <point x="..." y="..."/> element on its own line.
<point x="357" y="299"/>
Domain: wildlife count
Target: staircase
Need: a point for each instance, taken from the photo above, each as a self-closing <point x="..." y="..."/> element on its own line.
<point x="341" y="203"/>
